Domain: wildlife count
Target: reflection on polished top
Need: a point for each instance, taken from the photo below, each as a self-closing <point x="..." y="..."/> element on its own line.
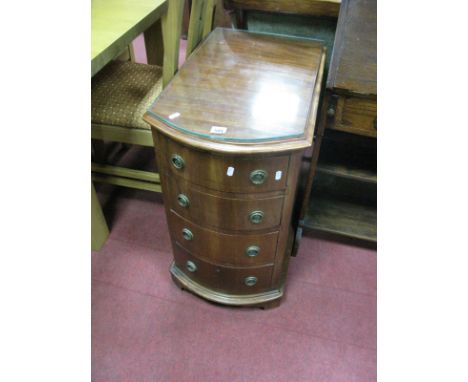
<point x="244" y="87"/>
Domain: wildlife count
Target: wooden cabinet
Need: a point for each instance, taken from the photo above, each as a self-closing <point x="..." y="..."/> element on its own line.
<point x="230" y="131"/>
<point x="344" y="192"/>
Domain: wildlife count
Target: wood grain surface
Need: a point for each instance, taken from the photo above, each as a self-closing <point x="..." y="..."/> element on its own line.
<point x="116" y="23"/>
<point x="208" y="207"/>
<point x="211" y="171"/>
<point x="222" y="278"/>
<point x="224" y="248"/>
<point x="354" y="63"/>
<point x="244" y="88"/>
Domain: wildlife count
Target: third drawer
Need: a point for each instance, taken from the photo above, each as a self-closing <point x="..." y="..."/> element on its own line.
<point x="241" y="250"/>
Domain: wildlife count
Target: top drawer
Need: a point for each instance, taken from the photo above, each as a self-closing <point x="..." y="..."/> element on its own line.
<point x="354" y="115"/>
<point x="224" y="173"/>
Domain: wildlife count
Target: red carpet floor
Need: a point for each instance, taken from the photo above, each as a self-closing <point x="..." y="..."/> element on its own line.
<point x="146" y="329"/>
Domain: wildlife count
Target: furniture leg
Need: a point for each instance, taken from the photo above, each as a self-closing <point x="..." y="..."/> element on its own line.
<point x="99" y="229"/>
<point x="154" y="44"/>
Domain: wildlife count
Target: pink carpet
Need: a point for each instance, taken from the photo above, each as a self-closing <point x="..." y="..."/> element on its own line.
<point x="146" y="329"/>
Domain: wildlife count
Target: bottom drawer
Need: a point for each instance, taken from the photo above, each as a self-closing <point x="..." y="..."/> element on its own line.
<point x="223" y="279"/>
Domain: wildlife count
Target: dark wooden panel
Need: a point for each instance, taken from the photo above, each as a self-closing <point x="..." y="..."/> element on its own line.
<point x="349" y="156"/>
<point x="354" y="63"/>
<point x="223" y="248"/>
<point x="328" y="8"/>
<point x="220" y="278"/>
<point x="222" y="211"/>
<point x="211" y="171"/>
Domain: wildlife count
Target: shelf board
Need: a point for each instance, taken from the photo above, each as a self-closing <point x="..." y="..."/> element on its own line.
<point x="355" y="173"/>
<point x="350" y="157"/>
<point x="342" y="218"/>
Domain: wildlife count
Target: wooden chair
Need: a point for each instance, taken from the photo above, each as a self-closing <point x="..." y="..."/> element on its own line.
<point x="123" y="91"/>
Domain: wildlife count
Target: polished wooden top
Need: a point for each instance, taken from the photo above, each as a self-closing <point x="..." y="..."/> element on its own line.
<point x="246" y="89"/>
<point x="353" y="66"/>
<point x="116" y="23"/>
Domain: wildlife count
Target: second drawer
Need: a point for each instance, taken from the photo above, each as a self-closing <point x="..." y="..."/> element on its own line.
<point x="236" y="250"/>
<point x="206" y="208"/>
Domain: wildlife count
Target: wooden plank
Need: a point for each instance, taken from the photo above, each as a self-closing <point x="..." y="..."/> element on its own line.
<point x="328" y="8"/>
<point x="342" y="217"/>
<point x="171" y="28"/>
<point x="347" y="172"/>
<point x="99" y="229"/>
<point x="208" y="17"/>
<point x="124" y="182"/>
<point x="146" y="176"/>
<point x="122" y="134"/>
<point x="201" y="10"/>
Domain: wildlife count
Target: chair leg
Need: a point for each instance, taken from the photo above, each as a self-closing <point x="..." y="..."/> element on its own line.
<point x="98" y="151"/>
<point x="99" y="229"/>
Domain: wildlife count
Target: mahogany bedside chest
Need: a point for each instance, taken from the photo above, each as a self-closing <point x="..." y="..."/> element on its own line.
<point x="230" y="130"/>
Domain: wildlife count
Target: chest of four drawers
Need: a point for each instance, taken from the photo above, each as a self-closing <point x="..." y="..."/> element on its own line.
<point x="225" y="215"/>
<point x="229" y="132"/>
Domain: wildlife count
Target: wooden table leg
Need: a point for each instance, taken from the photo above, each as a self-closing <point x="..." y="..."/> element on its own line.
<point x="154" y="44"/>
<point x="99" y="229"/>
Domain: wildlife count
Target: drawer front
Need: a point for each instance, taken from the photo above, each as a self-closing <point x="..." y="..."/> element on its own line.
<point x="221" y="278"/>
<point x="211" y="209"/>
<point x="245" y="174"/>
<point x="220" y="248"/>
<point x="355" y="115"/>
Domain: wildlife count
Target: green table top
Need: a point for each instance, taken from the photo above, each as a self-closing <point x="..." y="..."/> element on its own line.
<point x="116" y="23"/>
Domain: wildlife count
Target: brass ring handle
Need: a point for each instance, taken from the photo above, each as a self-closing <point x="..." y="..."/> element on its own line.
<point x="252" y="251"/>
<point x="258" y="176"/>
<point x="256" y="217"/>
<point x="250" y="281"/>
<point x="187" y="234"/>
<point x="191" y="266"/>
<point x="177" y="161"/>
<point x="183" y="200"/>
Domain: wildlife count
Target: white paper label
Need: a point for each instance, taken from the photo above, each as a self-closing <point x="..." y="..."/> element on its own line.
<point x="218" y="130"/>
<point x="230" y="171"/>
<point x="278" y="175"/>
<point x="174" y="115"/>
